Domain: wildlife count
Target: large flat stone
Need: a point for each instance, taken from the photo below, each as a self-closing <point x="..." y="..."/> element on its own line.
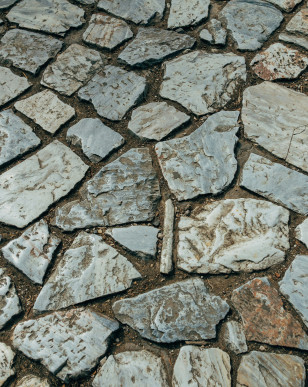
<point x="234" y="337"/>
<point x="184" y="310"/>
<point x="32" y="381"/>
<point x="11" y="85"/>
<point x="29" y="188"/>
<point x="6" y="363"/>
<point x="301" y="232"/>
<point x="203" y="82"/>
<point x="9" y="301"/>
<point x="187" y="12"/>
<point x="297" y="29"/>
<point x="203" y="162"/>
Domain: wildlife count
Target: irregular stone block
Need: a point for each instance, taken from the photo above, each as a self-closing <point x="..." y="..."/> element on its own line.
<point x="11" y="85"/>
<point x="301" y="232"/>
<point x="215" y="33"/>
<point x="166" y="263"/>
<point x="234" y="337"/>
<point x="6" y="363"/>
<point x="187" y="12"/>
<point x="32" y="381"/>
<point x="286" y="5"/>
<point x="9" y="301"/>
<point x="297" y="29"/>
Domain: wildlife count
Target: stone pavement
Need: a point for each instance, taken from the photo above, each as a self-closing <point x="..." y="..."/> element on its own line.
<point x="153" y="193"/>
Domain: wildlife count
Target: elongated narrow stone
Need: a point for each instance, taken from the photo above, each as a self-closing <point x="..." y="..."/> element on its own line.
<point x="166" y="264"/>
<point x="9" y="301"/>
<point x="11" y="85"/>
<point x="234" y="337"/>
<point x="6" y="362"/>
<point x="301" y="232"/>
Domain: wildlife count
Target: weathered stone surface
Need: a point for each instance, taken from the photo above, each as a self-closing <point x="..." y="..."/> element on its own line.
<point x="28" y="50"/>
<point x="6" y="3"/>
<point x="9" y="301"/>
<point x="301" y="232"/>
<point x="32" y="252"/>
<point x="201" y="367"/>
<point x="124" y="191"/>
<point x="113" y="92"/>
<point x="296" y="39"/>
<point x="214" y="33"/>
<point x="129" y="369"/>
<point x="187" y="12"/>
<point x="294" y="286"/>
<point x="226" y="236"/>
<point x="202" y="162"/>
<point x="55" y="16"/>
<point x="276" y="182"/>
<point x="234" y="337"/>
<point x="259" y="369"/>
<point x="46" y="110"/>
<point x="68" y="343"/>
<point x="184" y="310"/>
<point x="153" y="45"/>
<point x="32" y="381"/>
<point x="137" y="11"/>
<point x="74" y="67"/>
<point x="251" y="22"/>
<point x="96" y="139"/>
<point x="156" y="120"/>
<point x="264" y="317"/>
<point x="6" y="363"/>
<point x="11" y="85"/>
<point x="203" y="82"/>
<point x="297" y="29"/>
<point x="16" y="137"/>
<point x="286" y="5"/>
<point x="29" y="188"/>
<point x="107" y="32"/>
<point x="89" y="269"/>
<point x="166" y="264"/>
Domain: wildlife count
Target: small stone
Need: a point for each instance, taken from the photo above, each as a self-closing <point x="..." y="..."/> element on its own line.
<point x="234" y="337"/>
<point x="6" y="3"/>
<point x="215" y="34"/>
<point x="32" y="381"/>
<point x="96" y="139"/>
<point x="187" y="12"/>
<point x="46" y="110"/>
<point x="166" y="264"/>
<point x="297" y="29"/>
<point x="6" y="363"/>
<point x="207" y="36"/>
<point x="301" y="232"/>
<point x="9" y="301"/>
<point x="11" y="85"/>
<point x="286" y="5"/>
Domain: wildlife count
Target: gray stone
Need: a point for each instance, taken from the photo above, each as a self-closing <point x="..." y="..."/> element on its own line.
<point x="89" y="269"/>
<point x="286" y="5"/>
<point x="113" y="92"/>
<point x="46" y="110"/>
<point x="11" y="85"/>
<point x="28" y="50"/>
<point x="153" y="45"/>
<point x="87" y="2"/>
<point x="29" y="188"/>
<point x="6" y="363"/>
<point x="166" y="263"/>
<point x="251" y="22"/>
<point x="124" y="191"/>
<point x="203" y="82"/>
<point x="297" y="29"/>
<point x="234" y="337"/>
<point x="156" y="120"/>
<point x="187" y="12"/>
<point x="16" y="137"/>
<point x="96" y="139"/>
<point x="296" y="39"/>
<point x="276" y="117"/>
<point x="215" y="33"/>
<point x="196" y="366"/>
<point x="9" y="301"/>
<point x="69" y="343"/>
<point x="301" y="232"/>
<point x="107" y="32"/>
<point x="32" y="381"/>
<point x="6" y="3"/>
<point x="33" y="251"/>
<point x="203" y="162"/>
<point x="276" y="182"/>
<point x="54" y="16"/>
<point x="184" y="310"/>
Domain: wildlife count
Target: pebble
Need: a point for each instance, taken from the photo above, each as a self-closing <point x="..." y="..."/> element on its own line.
<point x="187" y="12"/>
<point x="6" y="362"/>
<point x="11" y="85"/>
<point x="234" y="337"/>
<point x="9" y="301"/>
<point x="301" y="232"/>
<point x="166" y="264"/>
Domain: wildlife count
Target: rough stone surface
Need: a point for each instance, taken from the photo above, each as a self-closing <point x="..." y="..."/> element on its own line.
<point x="46" y="110"/>
<point x="124" y="191"/>
<point x="215" y="33"/>
<point x="259" y="369"/>
<point x="156" y="120"/>
<point x="187" y="12"/>
<point x="203" y="82"/>
<point x="28" y="50"/>
<point x="297" y="29"/>
<point x="6" y="3"/>
<point x="276" y="182"/>
<point x="234" y="337"/>
<point x="184" y="310"/>
<point x="6" y="363"/>
<point x="264" y="317"/>
<point x="152" y="45"/>
<point x="29" y="188"/>
<point x="113" y="92"/>
<point x="286" y="5"/>
<point x="166" y="264"/>
<point x="301" y="232"/>
<point x="9" y="301"/>
<point x="251" y="22"/>
<point x="32" y="252"/>
<point x="95" y="138"/>
<point x="196" y="366"/>
<point x="68" y="343"/>
<point x="16" y="137"/>
<point x="32" y="381"/>
<point x="202" y="162"/>
<point x="11" y="85"/>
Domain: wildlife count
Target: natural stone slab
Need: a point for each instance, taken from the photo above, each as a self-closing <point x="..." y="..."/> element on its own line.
<point x="166" y="264"/>
<point x="226" y="236"/>
<point x="107" y="32"/>
<point x="11" y="85"/>
<point x="28" y="50"/>
<point x="301" y="232"/>
<point x="54" y="16"/>
<point x="96" y="139"/>
<point x="297" y="29"/>
<point x="134" y="368"/>
<point x="113" y="92"/>
<point x="234" y="337"/>
<point x="16" y="137"/>
<point x="153" y="45"/>
<point x="294" y="286"/>
<point x="184" y="310"/>
<point x="9" y="301"/>
<point x="6" y="3"/>
<point x="46" y="110"/>
<point x="264" y="317"/>
<point x="32" y="381"/>
<point x="203" y="82"/>
<point x="74" y="67"/>
<point x="61" y="341"/>
<point x="214" y="33"/>
<point x="89" y="269"/>
<point x="260" y="369"/>
<point x="6" y="363"/>
<point x="187" y="12"/>
<point x="251" y="22"/>
<point x="286" y="5"/>
<point x="203" y="162"/>
<point x="32" y="252"/>
<point x="276" y="182"/>
<point x="124" y="191"/>
<point x="29" y="188"/>
<point x="156" y="120"/>
<point x="201" y="367"/>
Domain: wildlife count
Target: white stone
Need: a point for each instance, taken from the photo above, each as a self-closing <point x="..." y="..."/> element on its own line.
<point x="11" y="85"/>
<point x="297" y="29"/>
<point x="32" y="381"/>
<point x="301" y="232"/>
<point x="9" y="301"/>
<point x="166" y="264"/>
<point x="6" y="363"/>
<point x="234" y="337"/>
<point x="187" y="12"/>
